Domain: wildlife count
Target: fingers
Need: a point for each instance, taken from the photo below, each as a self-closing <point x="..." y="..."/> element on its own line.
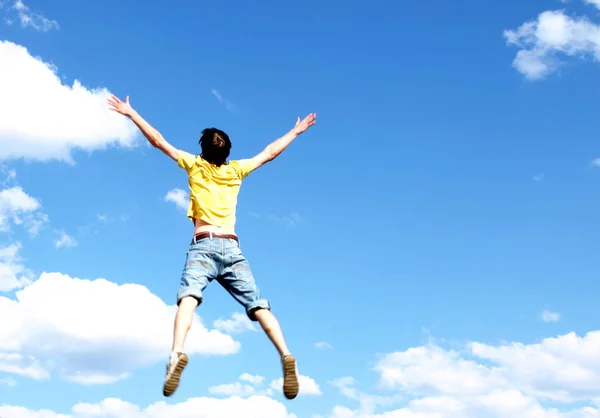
<point x="311" y="119"/>
<point x="114" y="101"/>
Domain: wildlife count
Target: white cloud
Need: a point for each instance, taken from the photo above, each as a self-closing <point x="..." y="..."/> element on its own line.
<point x="232" y="389"/>
<point x="308" y="386"/>
<point x="538" y="177"/>
<point x="553" y="34"/>
<point x="368" y="403"/>
<point x="179" y="197"/>
<point x="21" y="365"/>
<point x="16" y="206"/>
<point x="19" y="208"/>
<point x="595" y="163"/>
<point x="13" y="274"/>
<point x="253" y="379"/>
<point x="549" y="316"/>
<point x="236" y="324"/>
<point x="250" y="388"/>
<point x="10" y="174"/>
<point x="323" y="345"/>
<point x="17" y="10"/>
<point x="556" y="378"/>
<point x="253" y="384"/>
<point x="252" y="407"/>
<point x="97" y="345"/>
<point x="42" y="119"/>
<point x="593" y="2"/>
<point x="64" y="240"/>
<point x="564" y="368"/>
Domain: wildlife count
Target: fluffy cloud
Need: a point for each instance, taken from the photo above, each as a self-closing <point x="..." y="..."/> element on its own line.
<point x="368" y="403"/>
<point x="252" y="407"/>
<point x="255" y="380"/>
<point x="42" y="119"/>
<point x="252" y="385"/>
<point x="238" y="323"/>
<point x="18" y="207"/>
<point x="64" y="240"/>
<point x="17" y="10"/>
<point x="103" y="342"/>
<point x="593" y="2"/>
<point x="13" y="274"/>
<point x="553" y="34"/>
<point x="233" y="389"/>
<point x="179" y="197"/>
<point x="504" y="381"/>
<point x="248" y="385"/>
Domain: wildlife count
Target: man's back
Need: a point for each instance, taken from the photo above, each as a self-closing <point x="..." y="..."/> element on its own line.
<point x="213" y="190"/>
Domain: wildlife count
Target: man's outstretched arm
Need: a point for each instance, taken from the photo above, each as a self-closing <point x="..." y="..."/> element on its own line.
<point x="152" y="135"/>
<point x="275" y="148"/>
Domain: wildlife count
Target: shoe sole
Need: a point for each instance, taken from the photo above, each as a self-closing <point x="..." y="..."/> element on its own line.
<point x="172" y="383"/>
<point x="290" y="379"/>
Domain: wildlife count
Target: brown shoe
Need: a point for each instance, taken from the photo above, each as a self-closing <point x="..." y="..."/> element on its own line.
<point x="290" y="377"/>
<point x="175" y="367"/>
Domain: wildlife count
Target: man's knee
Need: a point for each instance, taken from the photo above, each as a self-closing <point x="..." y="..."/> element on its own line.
<point x="189" y="294"/>
<point x="189" y="301"/>
<point x="258" y="310"/>
<point x="257" y="313"/>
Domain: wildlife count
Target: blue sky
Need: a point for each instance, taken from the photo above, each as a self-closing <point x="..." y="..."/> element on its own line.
<point x="430" y="246"/>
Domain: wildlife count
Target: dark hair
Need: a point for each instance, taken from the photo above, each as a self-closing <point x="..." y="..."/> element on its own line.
<point x="215" y="146"/>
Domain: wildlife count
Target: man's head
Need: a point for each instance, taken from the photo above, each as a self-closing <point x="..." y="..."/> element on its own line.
<point x="215" y="146"/>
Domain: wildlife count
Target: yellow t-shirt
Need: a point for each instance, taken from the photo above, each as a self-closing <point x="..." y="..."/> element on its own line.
<point x="213" y="190"/>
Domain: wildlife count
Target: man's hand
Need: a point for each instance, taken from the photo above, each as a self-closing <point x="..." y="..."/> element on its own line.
<point x="152" y="135"/>
<point x="273" y="150"/>
<point x="124" y="108"/>
<point x="304" y="124"/>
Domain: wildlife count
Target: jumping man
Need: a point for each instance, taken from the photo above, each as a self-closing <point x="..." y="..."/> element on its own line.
<point x="214" y="253"/>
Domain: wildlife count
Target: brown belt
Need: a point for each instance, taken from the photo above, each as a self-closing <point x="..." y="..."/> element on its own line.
<point x="203" y="235"/>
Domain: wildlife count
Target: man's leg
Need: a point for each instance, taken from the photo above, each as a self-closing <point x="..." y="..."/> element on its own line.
<point x="198" y="272"/>
<point x="236" y="277"/>
<point x="178" y="359"/>
<point x="270" y="325"/>
<point x="183" y="322"/>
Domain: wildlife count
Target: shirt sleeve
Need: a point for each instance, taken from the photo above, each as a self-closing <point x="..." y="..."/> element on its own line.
<point x="185" y="160"/>
<point x="245" y="167"/>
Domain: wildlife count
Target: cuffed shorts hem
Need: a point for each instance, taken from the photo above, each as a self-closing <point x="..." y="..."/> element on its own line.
<point x="189" y="291"/>
<point x="259" y="304"/>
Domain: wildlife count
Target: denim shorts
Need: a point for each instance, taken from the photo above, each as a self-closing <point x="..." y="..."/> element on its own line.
<point x="221" y="259"/>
